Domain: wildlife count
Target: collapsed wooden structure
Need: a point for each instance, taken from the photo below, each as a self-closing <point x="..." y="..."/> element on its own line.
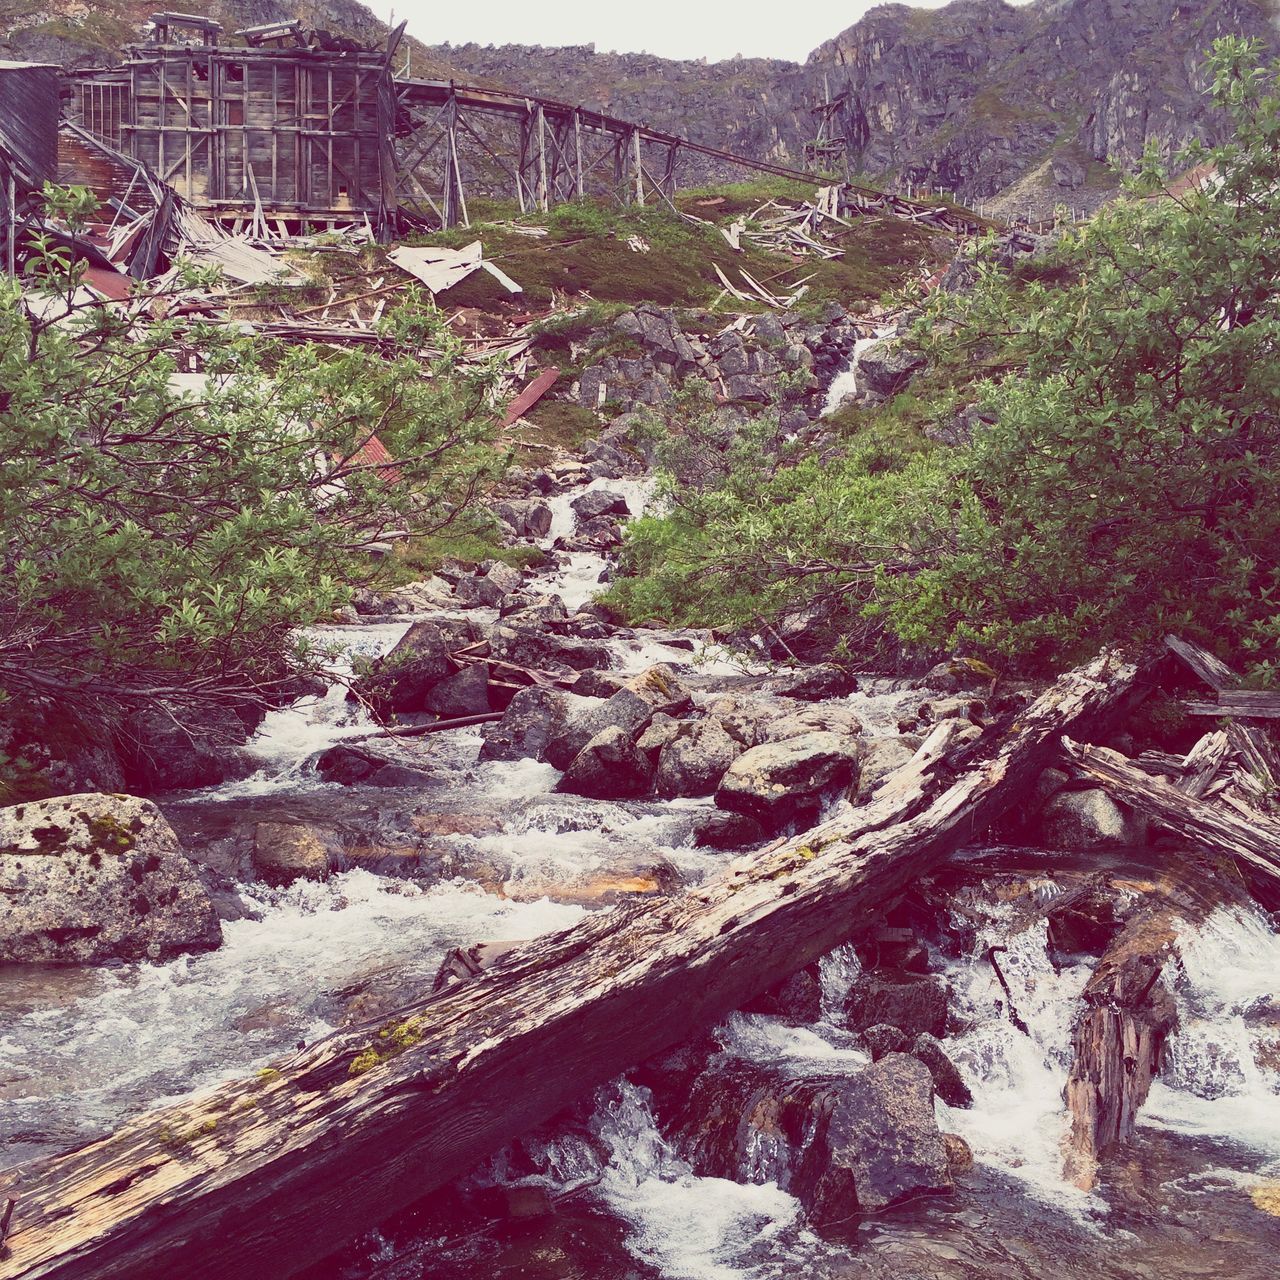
<point x="260" y="1177"/>
<point x="29" y="102"/>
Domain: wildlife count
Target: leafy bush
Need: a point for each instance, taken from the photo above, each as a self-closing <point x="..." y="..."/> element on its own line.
<point x="161" y="544"/>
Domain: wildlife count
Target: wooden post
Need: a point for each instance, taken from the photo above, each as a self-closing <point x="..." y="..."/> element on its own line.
<point x="639" y="171"/>
<point x="540" y="144"/>
<point x="579" y="188"/>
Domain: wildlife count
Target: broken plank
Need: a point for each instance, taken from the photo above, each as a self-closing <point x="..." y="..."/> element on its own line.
<point x="1212" y="670"/>
<point x="1248" y="704"/>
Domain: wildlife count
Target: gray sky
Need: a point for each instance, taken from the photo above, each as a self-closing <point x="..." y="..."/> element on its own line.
<point x="712" y="29"/>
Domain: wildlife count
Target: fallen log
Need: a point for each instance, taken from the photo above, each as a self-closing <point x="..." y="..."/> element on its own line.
<point x="1248" y="836"/>
<point x="257" y="1178"/>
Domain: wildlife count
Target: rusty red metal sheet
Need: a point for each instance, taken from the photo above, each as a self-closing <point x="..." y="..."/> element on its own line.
<point x="530" y="395"/>
<point x="111" y="284"/>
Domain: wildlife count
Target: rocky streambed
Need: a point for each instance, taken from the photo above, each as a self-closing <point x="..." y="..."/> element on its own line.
<point x="895" y="1110"/>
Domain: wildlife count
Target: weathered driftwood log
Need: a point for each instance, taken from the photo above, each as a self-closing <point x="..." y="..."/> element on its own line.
<point x="258" y="1178"/>
<point x="1119" y="1038"/>
<point x="1251" y="837"/>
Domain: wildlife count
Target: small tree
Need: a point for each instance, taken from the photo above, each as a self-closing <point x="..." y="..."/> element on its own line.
<point x="161" y="545"/>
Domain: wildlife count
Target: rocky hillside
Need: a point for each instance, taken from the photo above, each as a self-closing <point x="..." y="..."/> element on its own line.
<point x="977" y="98"/>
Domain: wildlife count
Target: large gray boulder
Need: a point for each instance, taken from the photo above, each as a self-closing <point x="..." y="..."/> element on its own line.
<point x="89" y="878"/>
<point x="913" y="1002"/>
<point x="1086" y="820"/>
<point x="527" y="645"/>
<point x="599" y="502"/>
<point x="694" y="761"/>
<point x="879" y="1145"/>
<point x="400" y="680"/>
<point x="532" y="718"/>
<point x="779" y="781"/>
<point x="630" y="708"/>
<point x="887" y="367"/>
<point x="609" y="767"/>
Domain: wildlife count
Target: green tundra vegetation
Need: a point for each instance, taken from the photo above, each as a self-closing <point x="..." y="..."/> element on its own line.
<point x="1120" y="484"/>
<point x="161" y="540"/>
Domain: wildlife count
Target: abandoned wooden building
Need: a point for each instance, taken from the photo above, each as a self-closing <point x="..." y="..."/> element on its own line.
<point x="290" y="125"/>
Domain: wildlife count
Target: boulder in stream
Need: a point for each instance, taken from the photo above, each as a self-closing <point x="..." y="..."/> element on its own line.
<point x="532" y="718"/>
<point x="947" y="1080"/>
<point x="1091" y="819"/>
<point x="89" y="878"/>
<point x="912" y="1002"/>
<point x="466" y="693"/>
<point x="878" y="1144"/>
<point x="695" y="760"/>
<point x="288" y="851"/>
<point x="779" y="781"/>
<point x="401" y="679"/>
<point x="599" y="502"/>
<point x="609" y="767"/>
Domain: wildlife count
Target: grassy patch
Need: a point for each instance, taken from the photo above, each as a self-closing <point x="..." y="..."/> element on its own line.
<point x="562" y="425"/>
<point x="420" y="557"/>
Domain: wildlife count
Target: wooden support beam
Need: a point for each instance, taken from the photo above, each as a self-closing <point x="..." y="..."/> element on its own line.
<point x="258" y="1178"/>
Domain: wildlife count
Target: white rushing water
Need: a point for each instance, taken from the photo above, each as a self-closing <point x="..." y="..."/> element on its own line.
<point x="845" y="384"/>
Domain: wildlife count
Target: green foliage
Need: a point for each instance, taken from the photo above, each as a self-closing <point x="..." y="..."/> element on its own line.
<point x="161" y="542"/>
<point x="1125" y="487"/>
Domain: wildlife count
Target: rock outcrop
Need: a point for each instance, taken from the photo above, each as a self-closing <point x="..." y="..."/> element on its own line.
<point x="89" y="878"/>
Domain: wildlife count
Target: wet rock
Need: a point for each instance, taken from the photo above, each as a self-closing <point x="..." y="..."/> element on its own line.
<point x="629" y="708"/>
<point x="779" y="781"/>
<point x="400" y="775"/>
<point x="947" y="1080"/>
<point x="662" y="729"/>
<point x="813" y="684"/>
<point x="530" y="646"/>
<point x="536" y="611"/>
<point x="824" y="717"/>
<point x="1083" y="820"/>
<point x="877" y="1145"/>
<point x="286" y="851"/>
<point x="464" y="694"/>
<point x="157" y="752"/>
<point x="912" y="1002"/>
<point x="488" y="589"/>
<point x="526" y="518"/>
<point x="347" y="765"/>
<point x="599" y="502"/>
<point x="878" y="759"/>
<point x="959" y="1155"/>
<point x="93" y="877"/>
<point x="1085" y="920"/>
<point x="960" y="675"/>
<point x="400" y="680"/>
<point x="796" y="1000"/>
<point x="883" y="1038"/>
<point x="695" y="760"/>
<point x="728" y="831"/>
<point x="608" y="768"/>
<point x="886" y="367"/>
<point x="532" y="718"/>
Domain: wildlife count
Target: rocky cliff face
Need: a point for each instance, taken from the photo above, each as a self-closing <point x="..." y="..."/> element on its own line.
<point x="970" y="98"/>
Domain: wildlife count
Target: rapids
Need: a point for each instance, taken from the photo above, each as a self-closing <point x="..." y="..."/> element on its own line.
<point x="82" y="1050"/>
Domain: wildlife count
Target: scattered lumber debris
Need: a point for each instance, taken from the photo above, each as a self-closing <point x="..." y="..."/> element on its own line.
<point x="440" y="269"/>
<point x="258" y="1178"/>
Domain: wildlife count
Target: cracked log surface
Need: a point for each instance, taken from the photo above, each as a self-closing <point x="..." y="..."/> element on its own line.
<point x="258" y="1178"/>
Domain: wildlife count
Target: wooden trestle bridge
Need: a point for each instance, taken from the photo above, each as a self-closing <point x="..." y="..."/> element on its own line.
<point x="538" y="150"/>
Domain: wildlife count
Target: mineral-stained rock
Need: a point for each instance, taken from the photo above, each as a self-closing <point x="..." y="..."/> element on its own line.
<point x="608" y="768"/>
<point x="911" y="1001"/>
<point x="783" y="780"/>
<point x="93" y="877"/>
<point x="287" y="851"/>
